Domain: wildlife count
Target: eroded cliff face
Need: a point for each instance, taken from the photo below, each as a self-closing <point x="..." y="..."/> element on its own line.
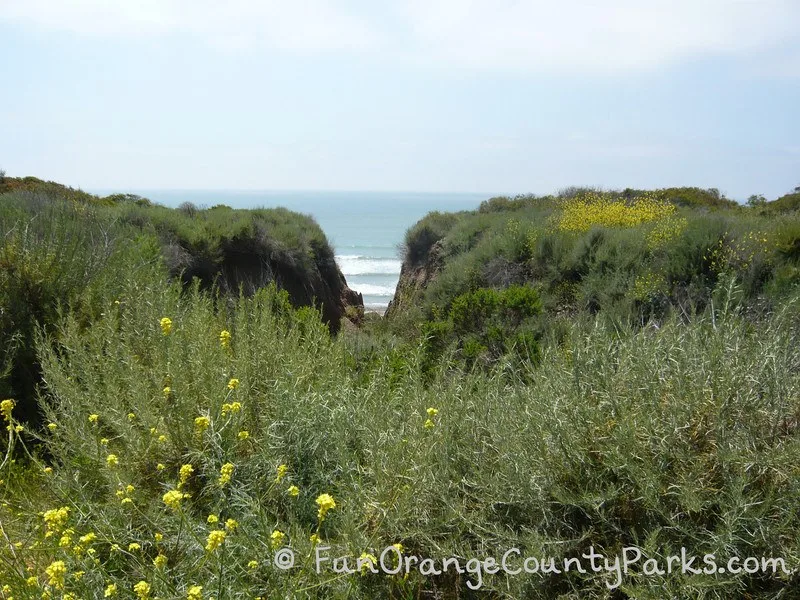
<point x="414" y="278"/>
<point x="248" y="265"/>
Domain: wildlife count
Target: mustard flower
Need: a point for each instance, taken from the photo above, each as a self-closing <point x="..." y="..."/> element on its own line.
<point x="173" y="499"/>
<point x="195" y="592"/>
<point x="367" y="562"/>
<point x="233" y="384"/>
<point x="225" y="338"/>
<point x="160" y="561"/>
<point x="293" y="491"/>
<point x="201" y="424"/>
<point x="215" y="539"/>
<point x="212" y="519"/>
<point x="243" y="435"/>
<point x="94" y="418"/>
<point x="112" y="460"/>
<point x="225" y="474"/>
<point x="134" y="547"/>
<point x="142" y="590"/>
<point x="281" y="472"/>
<point x="253" y="564"/>
<point x="111" y="590"/>
<point x="166" y="325"/>
<point x="184" y="473"/>
<point x="56" y="518"/>
<point x="325" y="503"/>
<point x="231" y="524"/>
<point x="6" y="406"/>
<point x="276" y="539"/>
<point x="429" y="424"/>
<point x="56" y="572"/>
<point x="52" y="426"/>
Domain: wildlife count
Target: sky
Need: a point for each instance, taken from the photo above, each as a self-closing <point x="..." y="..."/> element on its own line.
<point x="495" y="97"/>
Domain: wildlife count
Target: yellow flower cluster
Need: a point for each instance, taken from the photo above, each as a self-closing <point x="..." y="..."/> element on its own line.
<point x="166" y="325"/>
<point x="276" y="539"/>
<point x="325" y="503"/>
<point x="195" y="592"/>
<point x="6" y="406"/>
<point x="232" y="407"/>
<point x="665" y="230"/>
<point x="225" y="474"/>
<point x="56" y="572"/>
<point x="55" y="519"/>
<point x="215" y="539"/>
<point x="173" y="499"/>
<point x="586" y="211"/>
<point x="201" y="424"/>
<point x="225" y="338"/>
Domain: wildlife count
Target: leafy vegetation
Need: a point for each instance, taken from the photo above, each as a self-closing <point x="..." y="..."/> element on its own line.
<point x="557" y="390"/>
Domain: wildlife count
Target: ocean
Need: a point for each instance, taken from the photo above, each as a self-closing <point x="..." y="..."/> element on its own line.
<point x="366" y="229"/>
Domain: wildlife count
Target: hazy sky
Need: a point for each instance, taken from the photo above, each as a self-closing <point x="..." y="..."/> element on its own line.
<point x="494" y="96"/>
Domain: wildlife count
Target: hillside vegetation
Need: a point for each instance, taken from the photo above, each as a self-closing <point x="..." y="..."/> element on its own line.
<point x="63" y="250"/>
<point x="523" y="395"/>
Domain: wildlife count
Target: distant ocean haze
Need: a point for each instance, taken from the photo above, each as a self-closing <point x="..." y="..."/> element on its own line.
<point x="366" y="229"/>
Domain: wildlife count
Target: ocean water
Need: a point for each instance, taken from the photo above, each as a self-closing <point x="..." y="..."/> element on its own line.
<point x="366" y="229"/>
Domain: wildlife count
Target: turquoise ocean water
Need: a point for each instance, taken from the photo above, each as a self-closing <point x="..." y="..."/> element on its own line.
<point x="365" y="228"/>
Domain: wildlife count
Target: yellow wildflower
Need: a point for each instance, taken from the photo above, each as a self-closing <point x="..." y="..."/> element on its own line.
<point x="158" y="537"/>
<point x="134" y="547"/>
<point x="166" y="392"/>
<point x="32" y="582"/>
<point x="160" y="467"/>
<point x="131" y="416"/>
<point x="314" y="539"/>
<point x="293" y="491"/>
<point x="52" y="426"/>
<point x="111" y="590"/>
<point x="231" y="524"/>
<point x="212" y="519"/>
<point x="233" y="384"/>
<point x="166" y="325"/>
<point x="104" y="441"/>
<point x="225" y="338"/>
<point x="429" y="424"/>
<point x="215" y="539"/>
<point x="243" y="435"/>
<point x="112" y="460"/>
<point x="142" y="590"/>
<point x="432" y="412"/>
<point x="233" y="407"/>
<point x="160" y="561"/>
<point x="94" y="418"/>
<point x="281" y="472"/>
<point x="56" y="518"/>
<point x="56" y="573"/>
<point x="325" y="503"/>
<point x="195" y="592"/>
<point x="399" y="547"/>
<point x="201" y="423"/>
<point x="225" y="474"/>
<point x="88" y="538"/>
<point x="173" y="499"/>
<point x="367" y="562"/>
<point x="6" y="406"/>
<point x="253" y="564"/>
<point x="276" y="539"/>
